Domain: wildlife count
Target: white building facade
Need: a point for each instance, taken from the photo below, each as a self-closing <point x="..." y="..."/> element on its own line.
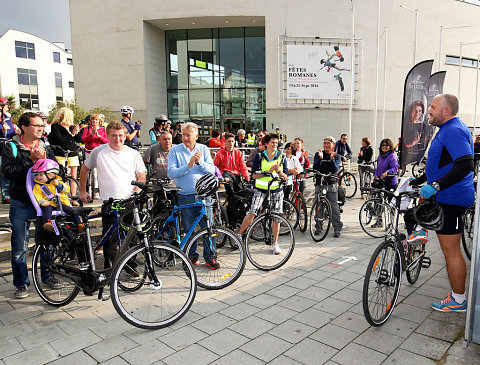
<point x="224" y="63"/>
<point x="37" y="72"/>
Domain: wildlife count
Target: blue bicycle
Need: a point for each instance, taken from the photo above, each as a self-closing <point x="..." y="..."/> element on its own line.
<point x="230" y="254"/>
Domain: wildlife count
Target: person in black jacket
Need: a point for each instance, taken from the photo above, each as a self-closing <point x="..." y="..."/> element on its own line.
<point x="60" y="135"/>
<point x="17" y="159"/>
<point x="364" y="159"/>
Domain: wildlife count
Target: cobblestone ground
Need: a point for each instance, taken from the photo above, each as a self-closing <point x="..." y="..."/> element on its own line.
<point x="307" y="312"/>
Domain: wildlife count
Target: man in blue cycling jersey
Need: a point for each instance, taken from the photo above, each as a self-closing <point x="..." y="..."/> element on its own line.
<point x="450" y="178"/>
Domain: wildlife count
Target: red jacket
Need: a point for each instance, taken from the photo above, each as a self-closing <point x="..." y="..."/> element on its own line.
<point x="231" y="161"/>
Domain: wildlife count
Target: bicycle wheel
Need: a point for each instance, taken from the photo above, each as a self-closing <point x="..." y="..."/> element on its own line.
<point x="220" y="219"/>
<point x="73" y="182"/>
<point x="230" y="256"/>
<point x="413" y="254"/>
<point x="53" y="280"/>
<point x="382" y="283"/>
<point x="418" y="169"/>
<point x="349" y="183"/>
<point x="375" y="218"/>
<point x="260" y="238"/>
<point x="467" y="232"/>
<point x="154" y="304"/>
<point x="302" y="212"/>
<point x="367" y="179"/>
<point x="320" y="219"/>
<point x="290" y="213"/>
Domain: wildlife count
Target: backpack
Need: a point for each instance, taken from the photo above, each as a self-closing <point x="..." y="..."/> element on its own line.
<point x="237" y="209"/>
<point x="15" y="149"/>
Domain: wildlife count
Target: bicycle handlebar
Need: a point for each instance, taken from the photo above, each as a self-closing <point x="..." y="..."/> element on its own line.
<point x="412" y="194"/>
<point x="136" y="196"/>
<point x="332" y="175"/>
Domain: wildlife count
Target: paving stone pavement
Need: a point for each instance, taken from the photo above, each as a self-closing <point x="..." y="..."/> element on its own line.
<point x="307" y="312"/>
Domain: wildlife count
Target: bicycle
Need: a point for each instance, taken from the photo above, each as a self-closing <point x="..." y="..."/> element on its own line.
<point x="144" y="292"/>
<point x="348" y="181"/>
<point x="418" y="168"/>
<point x="321" y="212"/>
<point x="467" y="232"/>
<point x="368" y="174"/>
<point x="260" y="235"/>
<point x="72" y="180"/>
<point x="299" y="201"/>
<point x="231" y="257"/>
<point x="389" y="261"/>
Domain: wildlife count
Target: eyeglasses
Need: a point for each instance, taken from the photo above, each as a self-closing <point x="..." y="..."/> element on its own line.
<point x="385" y="145"/>
<point x="38" y="126"/>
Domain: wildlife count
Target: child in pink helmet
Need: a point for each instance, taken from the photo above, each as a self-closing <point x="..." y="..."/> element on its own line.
<point x="47" y="185"/>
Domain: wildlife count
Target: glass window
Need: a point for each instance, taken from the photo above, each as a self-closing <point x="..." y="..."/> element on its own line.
<point x="71" y="84"/>
<point x="177" y="61"/>
<point x="201" y="103"/>
<point x="58" y="80"/>
<point x="69" y="61"/>
<point x="200" y="58"/>
<point x="178" y="105"/>
<point x="231" y="46"/>
<point x="26" y="77"/>
<point x="255" y="99"/>
<point x="56" y="57"/>
<point x="255" y="56"/>
<point x="232" y="102"/>
<point x="25" y="50"/>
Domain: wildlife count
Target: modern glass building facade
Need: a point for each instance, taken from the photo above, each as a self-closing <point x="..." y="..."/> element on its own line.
<point x="216" y="77"/>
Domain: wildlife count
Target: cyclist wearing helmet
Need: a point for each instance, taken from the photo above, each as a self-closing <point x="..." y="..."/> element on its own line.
<point x="16" y="161"/>
<point x="46" y="177"/>
<point x="187" y="163"/>
<point x="177" y="135"/>
<point x="133" y="130"/>
<point x="158" y="128"/>
<point x="7" y="131"/>
<point x="449" y="174"/>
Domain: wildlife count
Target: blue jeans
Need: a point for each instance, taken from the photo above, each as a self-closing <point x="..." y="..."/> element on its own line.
<point x="19" y="214"/>
<point x="5" y="183"/>
<point x="188" y="217"/>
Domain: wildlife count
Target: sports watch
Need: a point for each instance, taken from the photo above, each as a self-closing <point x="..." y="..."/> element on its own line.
<point x="436" y="185"/>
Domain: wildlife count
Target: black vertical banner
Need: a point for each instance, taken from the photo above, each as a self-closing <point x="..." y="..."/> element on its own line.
<point x="434" y="88"/>
<point x="414" y="116"/>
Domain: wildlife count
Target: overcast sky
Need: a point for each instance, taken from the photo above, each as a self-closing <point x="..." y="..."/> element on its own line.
<point x="48" y="19"/>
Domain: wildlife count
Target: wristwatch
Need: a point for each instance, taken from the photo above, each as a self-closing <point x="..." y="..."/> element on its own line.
<point x="436" y="185"/>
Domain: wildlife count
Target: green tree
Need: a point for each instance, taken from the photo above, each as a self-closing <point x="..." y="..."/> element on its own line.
<point x="78" y="112"/>
<point x="109" y="115"/>
<point x="15" y="110"/>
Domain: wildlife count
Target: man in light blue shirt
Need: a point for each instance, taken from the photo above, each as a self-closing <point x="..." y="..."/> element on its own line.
<point x="187" y="162"/>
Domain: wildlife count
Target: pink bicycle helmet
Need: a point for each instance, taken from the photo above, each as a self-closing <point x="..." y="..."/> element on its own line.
<point x="45" y="165"/>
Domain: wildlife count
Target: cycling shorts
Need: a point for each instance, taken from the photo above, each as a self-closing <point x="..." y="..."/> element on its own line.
<point x="453" y="218"/>
<point x="258" y="198"/>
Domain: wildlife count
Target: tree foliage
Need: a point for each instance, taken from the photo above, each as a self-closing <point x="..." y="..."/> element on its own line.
<point x="15" y="110"/>
<point x="78" y="112"/>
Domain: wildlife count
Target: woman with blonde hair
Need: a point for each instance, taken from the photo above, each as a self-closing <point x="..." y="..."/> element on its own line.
<point x="65" y="134"/>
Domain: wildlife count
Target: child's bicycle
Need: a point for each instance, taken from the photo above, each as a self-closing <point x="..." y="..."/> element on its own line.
<point x="144" y="293"/>
<point x="390" y="259"/>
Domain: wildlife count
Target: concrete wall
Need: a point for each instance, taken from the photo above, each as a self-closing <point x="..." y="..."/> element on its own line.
<point x="43" y="64"/>
<point x="123" y="55"/>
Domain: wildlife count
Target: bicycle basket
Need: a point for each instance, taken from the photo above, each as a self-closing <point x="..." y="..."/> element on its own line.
<point x="429" y="215"/>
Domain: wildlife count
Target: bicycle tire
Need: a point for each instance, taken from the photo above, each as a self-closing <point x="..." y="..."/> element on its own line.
<point x="380" y="298"/>
<point x="412" y="254"/>
<point x="320" y="219"/>
<point x="418" y="168"/>
<point x="290" y="213"/>
<point x="302" y="212"/>
<point x="467" y="231"/>
<point x="367" y="179"/>
<point x="154" y="306"/>
<point x="375" y="218"/>
<point x="71" y="180"/>
<point x="258" y="245"/>
<point x="59" y="259"/>
<point x="231" y="258"/>
<point x="349" y="183"/>
<point x="220" y="219"/>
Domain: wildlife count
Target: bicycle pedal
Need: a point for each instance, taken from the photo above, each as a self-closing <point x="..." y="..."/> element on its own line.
<point x="426" y="262"/>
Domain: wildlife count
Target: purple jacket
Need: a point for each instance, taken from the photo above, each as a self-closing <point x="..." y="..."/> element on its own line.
<point x="387" y="162"/>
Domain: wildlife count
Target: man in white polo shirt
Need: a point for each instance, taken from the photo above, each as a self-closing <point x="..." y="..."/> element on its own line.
<point x="117" y="166"/>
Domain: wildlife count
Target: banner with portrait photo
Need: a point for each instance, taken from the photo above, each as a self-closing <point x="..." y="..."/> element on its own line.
<point x="414" y="116"/>
<point x="318" y="72"/>
<point x="435" y="88"/>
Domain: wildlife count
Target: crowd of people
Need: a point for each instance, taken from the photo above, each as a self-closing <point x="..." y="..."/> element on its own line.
<point x="112" y="153"/>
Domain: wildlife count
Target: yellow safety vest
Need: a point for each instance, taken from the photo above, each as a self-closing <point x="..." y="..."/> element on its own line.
<point x="265" y="165"/>
<point x="251" y="139"/>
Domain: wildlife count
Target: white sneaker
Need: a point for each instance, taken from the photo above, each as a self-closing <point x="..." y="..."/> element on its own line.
<point x="276" y="249"/>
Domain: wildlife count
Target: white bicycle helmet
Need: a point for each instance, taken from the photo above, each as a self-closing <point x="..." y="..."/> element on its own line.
<point x="207" y="185"/>
<point x="126" y="109"/>
<point x="429" y="215"/>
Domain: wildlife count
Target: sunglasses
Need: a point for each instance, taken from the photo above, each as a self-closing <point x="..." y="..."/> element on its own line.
<point x="385" y="145"/>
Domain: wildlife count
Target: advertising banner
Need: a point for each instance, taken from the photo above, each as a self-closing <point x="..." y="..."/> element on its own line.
<point x="435" y="88"/>
<point x="318" y="72"/>
<point x="414" y="116"/>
